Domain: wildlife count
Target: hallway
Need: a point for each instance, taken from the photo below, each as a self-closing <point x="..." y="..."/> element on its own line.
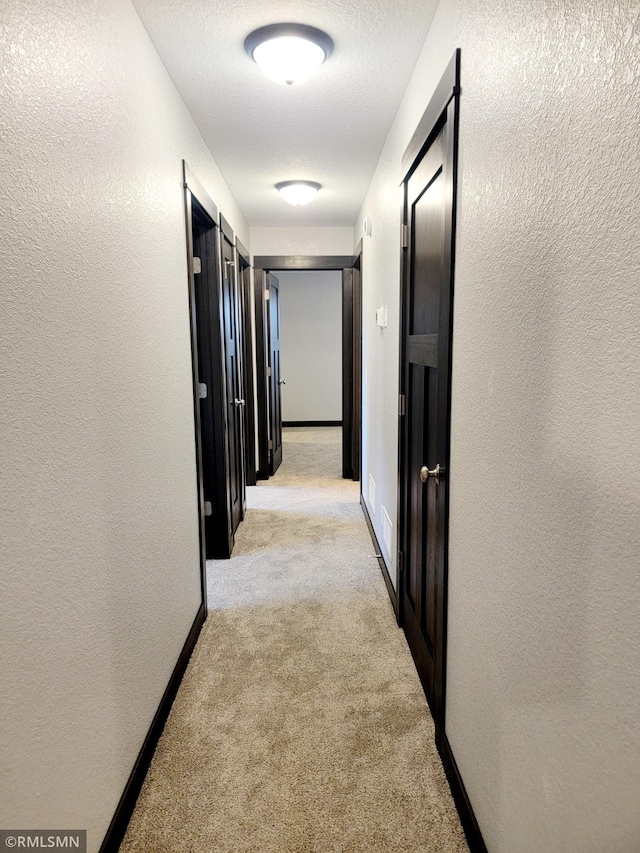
<point x="300" y="724"/>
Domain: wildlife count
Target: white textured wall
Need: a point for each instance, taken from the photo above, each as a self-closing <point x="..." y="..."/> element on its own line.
<point x="301" y="241"/>
<point x="543" y="689"/>
<point x="311" y="345"/>
<point x="100" y="579"/>
<point x="380" y="288"/>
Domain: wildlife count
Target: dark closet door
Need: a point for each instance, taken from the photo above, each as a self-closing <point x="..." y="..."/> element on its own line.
<point x="356" y="427"/>
<point x="426" y="360"/>
<point x="352" y="369"/>
<point x="235" y="400"/>
<point x="348" y="413"/>
<point x="275" y="379"/>
<point x="210" y="369"/>
<point x="246" y="313"/>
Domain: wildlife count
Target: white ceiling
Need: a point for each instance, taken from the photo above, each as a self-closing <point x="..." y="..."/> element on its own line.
<point x="330" y="129"/>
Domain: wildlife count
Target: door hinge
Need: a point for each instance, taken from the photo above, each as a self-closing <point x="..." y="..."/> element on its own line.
<point x="266" y="294"/>
<point x="197" y="266"/>
<point x="207" y="508"/>
<point x="270" y="444"/>
<point x="402" y="404"/>
<point x="405" y="236"/>
<point x="202" y="391"/>
<point x="268" y="371"/>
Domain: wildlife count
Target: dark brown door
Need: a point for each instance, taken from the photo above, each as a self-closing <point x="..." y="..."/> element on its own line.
<point x="232" y="330"/>
<point x="275" y="379"/>
<point x="348" y="413"/>
<point x="352" y="368"/>
<point x="426" y="361"/>
<point x="246" y="312"/>
<point x="210" y="367"/>
<point x="356" y="440"/>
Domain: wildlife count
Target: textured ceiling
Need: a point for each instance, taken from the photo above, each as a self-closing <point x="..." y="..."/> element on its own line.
<point x="330" y="129"/>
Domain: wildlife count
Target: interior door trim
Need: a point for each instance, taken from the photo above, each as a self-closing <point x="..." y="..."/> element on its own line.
<point x="214" y="472"/>
<point x="277" y="263"/>
<point x="443" y="108"/>
<point x="447" y="88"/>
<point x="243" y="253"/>
<point x="226" y="229"/>
<point x="191" y="183"/>
<point x="192" y="187"/>
<point x="262" y="361"/>
<point x="244" y="289"/>
<point x="262" y="264"/>
<point x="229" y="274"/>
<point x="347" y="374"/>
<point x="356" y="366"/>
<point x="274" y="378"/>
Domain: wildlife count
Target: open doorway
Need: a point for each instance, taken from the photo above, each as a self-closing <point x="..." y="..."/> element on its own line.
<point x="311" y="347"/>
<point x="350" y="360"/>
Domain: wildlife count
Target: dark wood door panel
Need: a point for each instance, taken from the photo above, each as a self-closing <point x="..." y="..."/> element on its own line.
<point x="210" y="368"/>
<point x="233" y="380"/>
<point x="208" y="357"/>
<point x="246" y="312"/>
<point x="275" y="378"/>
<point x="425" y="378"/>
<point x="416" y="453"/>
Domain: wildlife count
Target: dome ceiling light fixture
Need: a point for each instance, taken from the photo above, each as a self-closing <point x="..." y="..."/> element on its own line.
<point x="288" y="53"/>
<point x="298" y="192"/>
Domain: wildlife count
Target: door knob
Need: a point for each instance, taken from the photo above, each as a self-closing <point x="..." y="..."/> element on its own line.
<point x="239" y="402"/>
<point x="281" y="382"/>
<point x="437" y="472"/>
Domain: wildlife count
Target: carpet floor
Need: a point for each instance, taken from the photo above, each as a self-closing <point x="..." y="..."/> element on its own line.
<point x="300" y="724"/>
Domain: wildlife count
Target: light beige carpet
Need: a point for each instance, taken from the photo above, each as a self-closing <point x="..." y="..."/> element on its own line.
<point x="300" y="724"/>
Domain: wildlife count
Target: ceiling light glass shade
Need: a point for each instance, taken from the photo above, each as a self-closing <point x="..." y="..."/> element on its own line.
<point x="298" y="192"/>
<point x="288" y="53"/>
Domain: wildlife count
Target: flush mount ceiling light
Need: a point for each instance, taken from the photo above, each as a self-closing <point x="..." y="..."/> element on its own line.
<point x="298" y="192"/>
<point x="288" y="53"/>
